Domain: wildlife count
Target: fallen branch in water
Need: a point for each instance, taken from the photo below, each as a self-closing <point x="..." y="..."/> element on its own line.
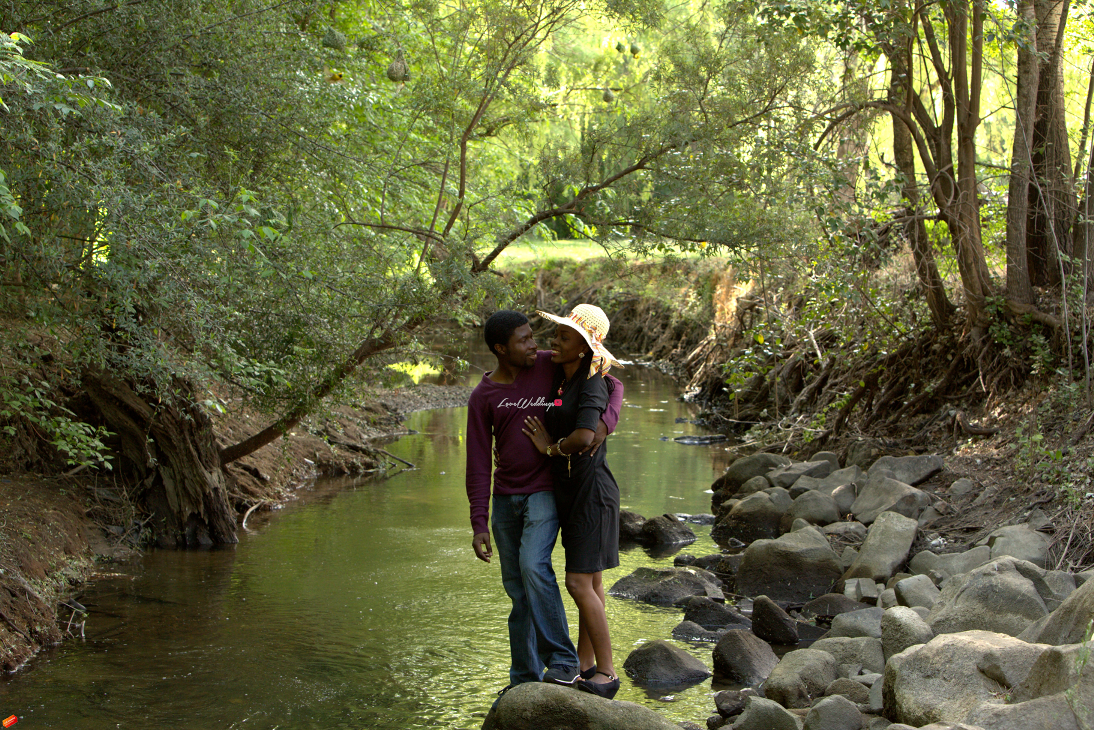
<point x="393" y="456"/>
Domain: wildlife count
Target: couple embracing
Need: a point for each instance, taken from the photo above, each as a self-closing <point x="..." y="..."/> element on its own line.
<point x="544" y="417"/>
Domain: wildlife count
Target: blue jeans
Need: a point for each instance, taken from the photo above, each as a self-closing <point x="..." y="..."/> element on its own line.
<point x="525" y="527"/>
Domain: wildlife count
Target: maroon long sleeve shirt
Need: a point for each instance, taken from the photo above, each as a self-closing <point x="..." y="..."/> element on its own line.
<point x="495" y="416"/>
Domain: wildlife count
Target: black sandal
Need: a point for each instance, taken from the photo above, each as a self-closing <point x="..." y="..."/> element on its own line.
<point x="606" y="690"/>
<point x="588" y="673"/>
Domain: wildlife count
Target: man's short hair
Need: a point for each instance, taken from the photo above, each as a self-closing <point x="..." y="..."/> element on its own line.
<point x="499" y="327"/>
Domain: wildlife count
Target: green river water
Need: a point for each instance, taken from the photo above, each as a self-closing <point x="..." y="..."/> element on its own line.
<point x="360" y="605"/>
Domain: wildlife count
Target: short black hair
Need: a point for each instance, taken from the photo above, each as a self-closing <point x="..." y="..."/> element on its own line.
<point x="499" y="328"/>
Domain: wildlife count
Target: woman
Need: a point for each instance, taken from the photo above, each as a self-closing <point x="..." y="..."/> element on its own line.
<point x="585" y="490"/>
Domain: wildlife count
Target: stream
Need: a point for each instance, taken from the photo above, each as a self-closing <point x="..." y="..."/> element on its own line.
<point x="358" y="605"/>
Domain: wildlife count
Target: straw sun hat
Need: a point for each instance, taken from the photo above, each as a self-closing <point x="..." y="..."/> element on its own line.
<point x="592" y="324"/>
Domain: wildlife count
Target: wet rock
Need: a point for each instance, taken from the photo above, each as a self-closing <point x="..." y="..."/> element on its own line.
<point x="814" y="507"/>
<point x="810" y="631"/>
<point x="666" y="530"/>
<point x="701" y="518"/>
<point x="865" y="622"/>
<point x="743" y="658"/>
<point x="919" y="590"/>
<point x="711" y="614"/>
<point x="731" y="702"/>
<point x="846" y="530"/>
<point x="800" y="677"/>
<point x="902" y="627"/>
<point x="666" y="586"/>
<point x="691" y="631"/>
<point x="833" y="713"/>
<point x="543" y="706"/>
<point x="864" y="651"/>
<point x="852" y="689"/>
<point x="630" y="526"/>
<point x="771" y="623"/>
<point x="747" y="467"/>
<point x="913" y="470"/>
<point x="950" y="563"/>
<point x="794" y="567"/>
<point x="1004" y="596"/>
<point x="785" y="476"/>
<point x="658" y="663"/>
<point x="755" y="517"/>
<point x="716" y="721"/>
<point x="887" y="544"/>
<point x="753" y="485"/>
<point x="831" y="604"/>
<point x="1067" y="624"/>
<point x="940" y="680"/>
<point x="883" y="494"/>
<point x="1020" y="542"/>
<point x="763" y="714"/>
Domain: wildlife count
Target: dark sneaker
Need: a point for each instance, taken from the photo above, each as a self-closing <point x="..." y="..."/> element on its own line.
<point x="561" y="674"/>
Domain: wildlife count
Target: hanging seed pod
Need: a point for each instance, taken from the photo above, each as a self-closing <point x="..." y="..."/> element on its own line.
<point x="635" y="49"/>
<point x="334" y="39"/>
<point x="398" y="71"/>
<point x="608" y="96"/>
<point x="620" y="47"/>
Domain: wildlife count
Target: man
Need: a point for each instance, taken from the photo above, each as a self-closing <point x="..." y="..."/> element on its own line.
<point x="525" y="521"/>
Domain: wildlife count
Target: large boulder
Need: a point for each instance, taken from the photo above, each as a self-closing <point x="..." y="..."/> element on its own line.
<point x="850" y="531"/>
<point x="949" y="564"/>
<point x="902" y="627"/>
<point x="691" y="631"/>
<point x="800" y="677"/>
<point x="882" y="494"/>
<point x="1068" y="623"/>
<point x="888" y="542"/>
<point x="785" y="476"/>
<point x="666" y="586"/>
<point x="852" y="689"/>
<point x="1056" y="669"/>
<point x="833" y="713"/>
<point x="816" y="508"/>
<point x="743" y="658"/>
<point x="913" y="470"/>
<point x="713" y="615"/>
<point x="666" y="530"/>
<point x="544" y="706"/>
<point x="831" y="604"/>
<point x="864" y="651"/>
<point x="864" y="622"/>
<point x="771" y="623"/>
<point x="1012" y="666"/>
<point x="852" y="477"/>
<point x="755" y="517"/>
<point x="763" y="714"/>
<point x="1020" y="542"/>
<point x="660" y="664"/>
<point x="1004" y="596"/>
<point x="743" y="469"/>
<point x="941" y="680"/>
<point x="795" y="567"/>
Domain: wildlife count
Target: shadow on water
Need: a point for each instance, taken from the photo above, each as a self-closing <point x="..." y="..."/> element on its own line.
<point x="360" y="605"/>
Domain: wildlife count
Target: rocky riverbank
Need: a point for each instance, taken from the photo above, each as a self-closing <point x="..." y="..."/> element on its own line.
<point x="838" y="603"/>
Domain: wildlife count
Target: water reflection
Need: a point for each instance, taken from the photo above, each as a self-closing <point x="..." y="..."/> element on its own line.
<point x="360" y="606"/>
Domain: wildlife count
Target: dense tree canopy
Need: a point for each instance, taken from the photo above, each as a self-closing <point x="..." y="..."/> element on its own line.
<point x="269" y="195"/>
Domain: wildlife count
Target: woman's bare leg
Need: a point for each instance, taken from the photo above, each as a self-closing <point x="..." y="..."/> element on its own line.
<point x="587" y="590"/>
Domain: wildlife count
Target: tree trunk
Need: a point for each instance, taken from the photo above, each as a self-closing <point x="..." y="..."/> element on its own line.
<point x="171" y="450"/>
<point x="915" y="229"/>
<point x="1018" y="283"/>
<point x="967" y="75"/>
<point x="854" y="136"/>
<point x="1051" y="196"/>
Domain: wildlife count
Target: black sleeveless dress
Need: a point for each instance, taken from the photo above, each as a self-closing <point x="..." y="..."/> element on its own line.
<point x="588" y="496"/>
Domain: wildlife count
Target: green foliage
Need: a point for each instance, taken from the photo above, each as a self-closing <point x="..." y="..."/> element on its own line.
<point x="28" y="402"/>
